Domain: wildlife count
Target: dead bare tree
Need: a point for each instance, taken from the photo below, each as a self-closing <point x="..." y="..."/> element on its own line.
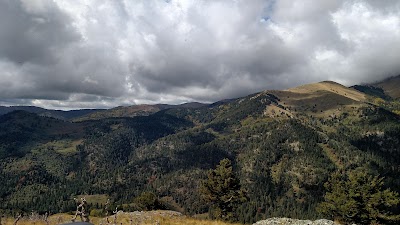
<point x="81" y="211"/>
<point x="106" y="209"/>
<point x="46" y="218"/>
<point x="115" y="215"/>
<point x="106" y="206"/>
<point x="17" y="219"/>
<point x="33" y="217"/>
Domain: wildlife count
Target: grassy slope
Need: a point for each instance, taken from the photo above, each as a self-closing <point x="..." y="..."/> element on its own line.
<point x="143" y="218"/>
<point x="330" y="87"/>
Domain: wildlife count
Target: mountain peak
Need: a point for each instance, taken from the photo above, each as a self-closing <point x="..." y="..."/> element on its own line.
<point x="330" y="86"/>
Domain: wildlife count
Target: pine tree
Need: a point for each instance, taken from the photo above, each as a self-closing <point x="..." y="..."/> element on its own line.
<point x="222" y="189"/>
<point x="359" y="198"/>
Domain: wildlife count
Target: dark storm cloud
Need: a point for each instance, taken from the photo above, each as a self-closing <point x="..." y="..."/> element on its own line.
<point x="33" y="33"/>
<point x="77" y="54"/>
<point x="43" y="55"/>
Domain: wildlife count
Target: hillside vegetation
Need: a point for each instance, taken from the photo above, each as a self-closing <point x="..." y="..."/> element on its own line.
<point x="283" y="145"/>
<point x="133" y="111"/>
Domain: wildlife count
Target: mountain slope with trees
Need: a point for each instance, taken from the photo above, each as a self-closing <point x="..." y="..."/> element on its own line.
<point x="283" y="145"/>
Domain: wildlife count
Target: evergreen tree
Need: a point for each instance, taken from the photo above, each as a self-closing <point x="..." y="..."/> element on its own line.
<point x="147" y="201"/>
<point x="222" y="189"/>
<point x="359" y="198"/>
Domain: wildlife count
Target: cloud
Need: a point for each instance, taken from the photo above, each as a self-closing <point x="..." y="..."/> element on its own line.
<point x="374" y="37"/>
<point x="31" y="31"/>
<point x="79" y="54"/>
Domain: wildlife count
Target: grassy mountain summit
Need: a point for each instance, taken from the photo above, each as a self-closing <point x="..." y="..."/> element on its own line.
<point x="329" y="86"/>
<point x="284" y="145"/>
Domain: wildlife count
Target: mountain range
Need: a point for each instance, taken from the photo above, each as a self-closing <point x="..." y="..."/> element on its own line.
<point x="284" y="144"/>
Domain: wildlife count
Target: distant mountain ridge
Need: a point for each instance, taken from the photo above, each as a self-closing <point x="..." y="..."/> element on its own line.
<point x="284" y="145"/>
<point x="386" y="89"/>
<point x="391" y="86"/>
<point x="94" y="114"/>
<point x="59" y="114"/>
<point x="136" y="110"/>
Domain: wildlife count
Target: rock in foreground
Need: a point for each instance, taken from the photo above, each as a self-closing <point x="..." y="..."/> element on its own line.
<point x="288" y="221"/>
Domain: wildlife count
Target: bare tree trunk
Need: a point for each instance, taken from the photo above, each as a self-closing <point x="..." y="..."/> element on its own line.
<point x="106" y="209"/>
<point x="115" y="215"/>
<point x="17" y="219"/>
<point x="46" y="217"/>
<point x="81" y="211"/>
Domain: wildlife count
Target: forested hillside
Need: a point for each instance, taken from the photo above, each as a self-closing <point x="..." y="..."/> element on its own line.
<point x="284" y="145"/>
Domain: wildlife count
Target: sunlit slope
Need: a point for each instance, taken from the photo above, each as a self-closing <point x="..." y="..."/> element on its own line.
<point x="329" y="86"/>
<point x="320" y="99"/>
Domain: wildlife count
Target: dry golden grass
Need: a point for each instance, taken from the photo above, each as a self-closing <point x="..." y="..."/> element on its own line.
<point x="319" y="99"/>
<point x="331" y="87"/>
<point x="144" y="218"/>
<point x="275" y="111"/>
<point x="93" y="199"/>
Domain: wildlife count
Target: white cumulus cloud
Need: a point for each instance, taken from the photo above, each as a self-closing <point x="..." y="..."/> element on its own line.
<point x="88" y="53"/>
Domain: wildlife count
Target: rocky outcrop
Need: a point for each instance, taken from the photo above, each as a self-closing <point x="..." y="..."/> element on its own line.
<point x="288" y="221"/>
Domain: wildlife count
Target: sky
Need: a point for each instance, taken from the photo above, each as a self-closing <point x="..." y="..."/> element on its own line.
<point x="72" y="54"/>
